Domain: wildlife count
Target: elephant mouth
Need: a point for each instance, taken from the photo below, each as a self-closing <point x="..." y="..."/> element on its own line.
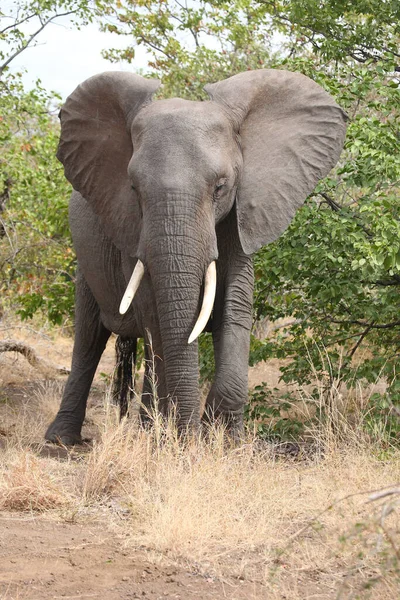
<point x="210" y="286"/>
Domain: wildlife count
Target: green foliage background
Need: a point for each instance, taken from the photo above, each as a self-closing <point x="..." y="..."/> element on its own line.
<point x="335" y="273"/>
<point x="37" y="260"/>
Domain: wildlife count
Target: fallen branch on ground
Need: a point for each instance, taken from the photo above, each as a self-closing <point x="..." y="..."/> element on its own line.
<point x="34" y="360"/>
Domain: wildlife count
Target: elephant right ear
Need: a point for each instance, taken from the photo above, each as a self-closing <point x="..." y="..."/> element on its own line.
<point x="96" y="147"/>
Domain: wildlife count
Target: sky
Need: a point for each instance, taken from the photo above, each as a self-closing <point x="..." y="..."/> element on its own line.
<point x="64" y="57"/>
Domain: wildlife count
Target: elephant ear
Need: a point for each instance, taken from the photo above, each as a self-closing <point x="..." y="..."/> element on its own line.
<point x="291" y="133"/>
<point x="95" y="148"/>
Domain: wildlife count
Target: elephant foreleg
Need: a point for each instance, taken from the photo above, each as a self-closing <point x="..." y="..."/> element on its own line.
<point x="90" y="340"/>
<point x="232" y="320"/>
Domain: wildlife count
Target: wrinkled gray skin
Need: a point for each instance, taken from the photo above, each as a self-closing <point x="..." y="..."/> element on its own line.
<point x="179" y="184"/>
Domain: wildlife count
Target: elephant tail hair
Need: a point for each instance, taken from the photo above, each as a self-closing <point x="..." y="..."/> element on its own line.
<point x="123" y="381"/>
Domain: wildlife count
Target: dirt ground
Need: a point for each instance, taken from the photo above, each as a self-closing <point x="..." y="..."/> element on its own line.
<point x="43" y="560"/>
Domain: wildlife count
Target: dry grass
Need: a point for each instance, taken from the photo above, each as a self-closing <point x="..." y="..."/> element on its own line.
<point x="26" y="485"/>
<point x="26" y="422"/>
<point x="228" y="511"/>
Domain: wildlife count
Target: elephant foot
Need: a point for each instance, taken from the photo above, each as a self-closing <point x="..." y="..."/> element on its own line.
<point x="233" y="425"/>
<point x="64" y="433"/>
<point x="235" y="429"/>
<point x="231" y="421"/>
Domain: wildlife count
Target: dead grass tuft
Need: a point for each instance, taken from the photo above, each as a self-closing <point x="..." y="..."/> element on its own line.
<point x="25" y="485"/>
<point x="24" y="424"/>
<point x="109" y="462"/>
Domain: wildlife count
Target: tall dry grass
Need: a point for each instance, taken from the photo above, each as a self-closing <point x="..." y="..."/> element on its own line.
<point x="298" y="528"/>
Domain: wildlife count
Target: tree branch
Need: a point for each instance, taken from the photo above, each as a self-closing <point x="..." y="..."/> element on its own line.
<point x="32" y="37"/>
<point x="31" y="356"/>
<point x="361" y="53"/>
<point x="359" y="341"/>
<point x="395" y="280"/>
<point x="338" y="208"/>
<point x="17" y="24"/>
<point x="147" y="41"/>
<point x="192" y="31"/>
<point x="331" y="202"/>
<point x="364" y="324"/>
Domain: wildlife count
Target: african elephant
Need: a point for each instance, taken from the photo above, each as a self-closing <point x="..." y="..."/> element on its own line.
<point x="172" y="198"/>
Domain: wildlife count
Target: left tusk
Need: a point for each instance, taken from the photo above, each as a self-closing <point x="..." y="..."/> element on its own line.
<point x="210" y="287"/>
<point x="132" y="287"/>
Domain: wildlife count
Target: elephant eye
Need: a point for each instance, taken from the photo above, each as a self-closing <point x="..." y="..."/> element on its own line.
<point x="219" y="188"/>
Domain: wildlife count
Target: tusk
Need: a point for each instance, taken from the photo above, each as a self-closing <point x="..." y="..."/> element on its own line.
<point x="132" y="287"/>
<point x="208" y="301"/>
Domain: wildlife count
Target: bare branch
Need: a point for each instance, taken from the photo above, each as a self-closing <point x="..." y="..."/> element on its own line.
<point x="329" y="508"/>
<point x="31" y="356"/>
<point x="372" y="325"/>
<point x="331" y="202"/>
<point x="192" y="31"/>
<point x="17" y="24"/>
<point x="147" y="41"/>
<point x="393" y="281"/>
<point x="32" y="37"/>
<point x="359" y="341"/>
<point x="338" y="208"/>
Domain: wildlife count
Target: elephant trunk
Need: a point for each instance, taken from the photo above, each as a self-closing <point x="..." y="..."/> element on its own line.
<point x="180" y="245"/>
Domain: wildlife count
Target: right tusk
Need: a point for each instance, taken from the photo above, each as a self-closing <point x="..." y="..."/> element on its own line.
<point x="132" y="287"/>
<point x="210" y="287"/>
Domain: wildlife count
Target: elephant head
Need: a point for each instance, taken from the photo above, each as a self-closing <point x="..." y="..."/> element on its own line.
<point x="161" y="174"/>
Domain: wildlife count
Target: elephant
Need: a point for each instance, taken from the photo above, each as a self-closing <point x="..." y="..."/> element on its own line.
<point x="171" y="199"/>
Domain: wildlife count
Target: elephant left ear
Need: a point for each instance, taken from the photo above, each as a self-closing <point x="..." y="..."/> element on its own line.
<point x="292" y="133"/>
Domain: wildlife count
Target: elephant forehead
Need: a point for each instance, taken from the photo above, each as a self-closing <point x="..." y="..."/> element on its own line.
<point x="178" y="116"/>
